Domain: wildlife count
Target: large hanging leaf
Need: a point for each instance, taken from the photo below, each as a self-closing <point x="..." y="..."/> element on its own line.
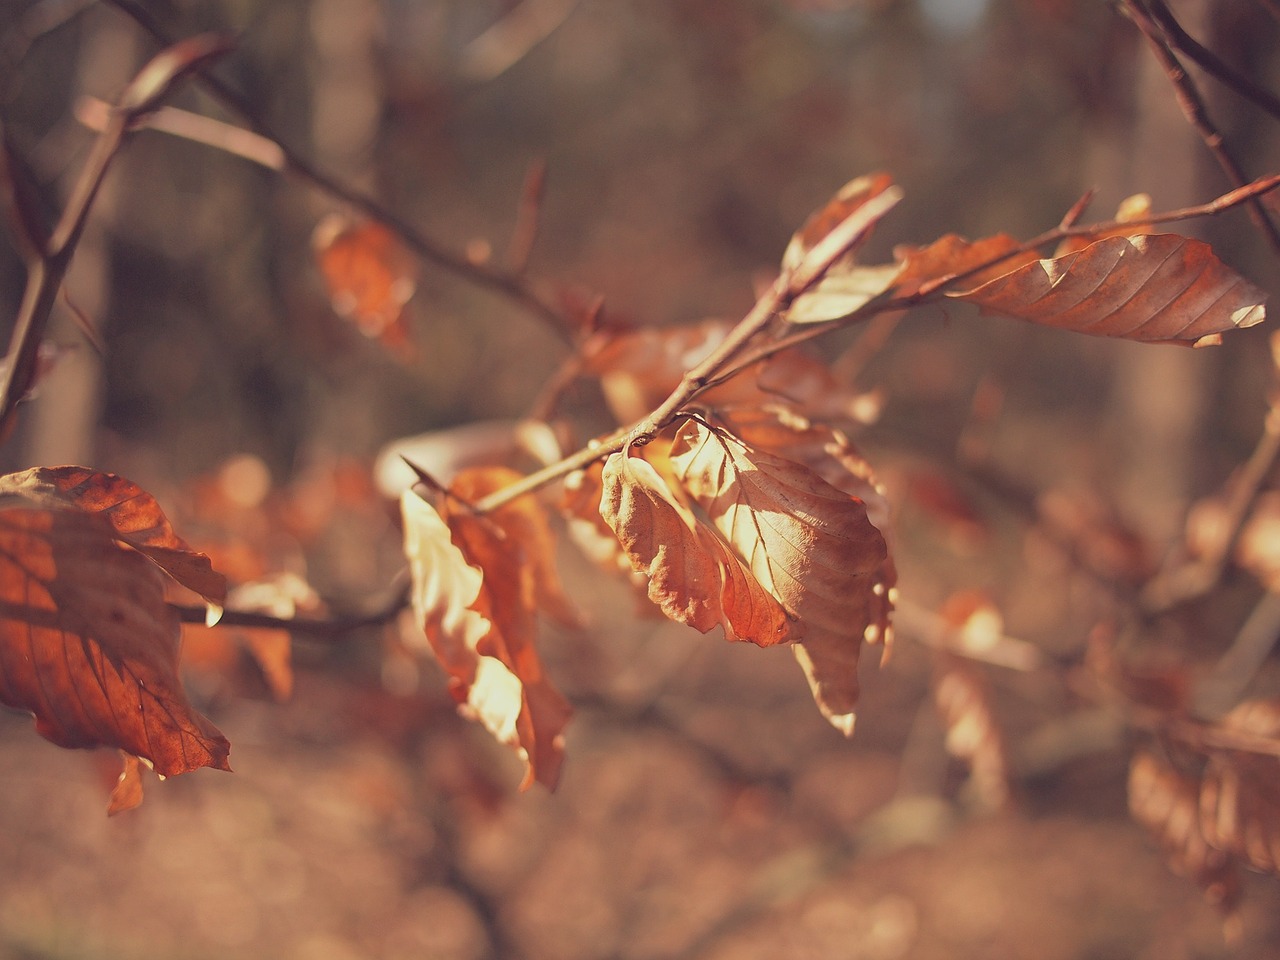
<point x="1156" y="288"/>
<point x="809" y="544"/>
<point x="87" y="642"/>
<point x="692" y="575"/>
<point x="477" y="583"/>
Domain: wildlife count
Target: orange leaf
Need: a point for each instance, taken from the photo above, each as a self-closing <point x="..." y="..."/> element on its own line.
<point x="476" y="583"/>
<point x="88" y="644"/>
<point x="692" y="575"/>
<point x="1157" y="288"/>
<point x="809" y="544"/>
<point x="849" y="198"/>
<point x="369" y="274"/>
<point x="1165" y="801"/>
<point x="952" y="255"/>
<point x="1240" y="794"/>
<point x="127" y="793"/>
<point x="973" y="735"/>
<point x="132" y="514"/>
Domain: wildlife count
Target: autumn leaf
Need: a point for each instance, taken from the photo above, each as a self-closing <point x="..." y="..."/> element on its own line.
<point x="1240" y="794"/>
<point x="809" y="544"/>
<point x="843" y="290"/>
<point x="132" y="514"/>
<point x="1166" y="801"/>
<point x="1129" y="215"/>
<point x="847" y="200"/>
<point x="962" y="696"/>
<point x="952" y="255"/>
<point x="1154" y="288"/>
<point x="369" y="274"/>
<point x="87" y="642"/>
<point x="477" y="583"/>
<point x="692" y="575"/>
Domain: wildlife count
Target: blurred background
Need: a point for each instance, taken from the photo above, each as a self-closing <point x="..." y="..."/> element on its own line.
<point x="707" y="811"/>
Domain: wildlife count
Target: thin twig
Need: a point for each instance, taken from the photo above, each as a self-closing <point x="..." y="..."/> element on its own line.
<point x="512" y="287"/>
<point x="317" y="628"/>
<point x="1193" y="106"/>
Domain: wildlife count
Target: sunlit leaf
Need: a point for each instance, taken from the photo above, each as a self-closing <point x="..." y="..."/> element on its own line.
<point x="1156" y="288"/>
<point x="847" y="200"/>
<point x="692" y="575"/>
<point x="477" y="583"/>
<point x="962" y="696"/>
<point x="1166" y="801"/>
<point x="843" y="290"/>
<point x="951" y="256"/>
<point x="809" y="544"/>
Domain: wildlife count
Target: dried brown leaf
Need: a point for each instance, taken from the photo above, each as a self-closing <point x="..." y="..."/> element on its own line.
<point x="963" y="699"/>
<point x="88" y="643"/>
<point x="847" y="200"/>
<point x="692" y="576"/>
<point x="127" y="793"/>
<point x="1240" y="794"/>
<point x="370" y="277"/>
<point x="843" y="290"/>
<point x="1154" y="288"/>
<point x="132" y="514"/>
<point x="476" y="587"/>
<point x="1166" y="802"/>
<point x="952" y="255"/>
<point x="809" y="544"/>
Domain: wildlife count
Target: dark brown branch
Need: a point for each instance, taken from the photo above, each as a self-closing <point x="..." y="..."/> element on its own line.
<point x="508" y="285"/>
<point x="315" y="628"/>
<point x="1193" y="106"/>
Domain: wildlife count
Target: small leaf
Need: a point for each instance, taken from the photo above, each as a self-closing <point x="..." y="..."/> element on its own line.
<point x="127" y="794"/>
<point x="476" y="587"/>
<point x="370" y="277"/>
<point x="847" y="200"/>
<point x="1240" y="794"/>
<point x="1155" y="288"/>
<point x="951" y="255"/>
<point x="843" y="290"/>
<point x="973" y="735"/>
<point x="156" y="79"/>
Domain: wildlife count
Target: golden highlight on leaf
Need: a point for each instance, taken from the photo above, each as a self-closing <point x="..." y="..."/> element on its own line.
<point x="1155" y="288"/>
<point x="809" y="544"/>
<point x="848" y="199"/>
<point x="693" y="577"/>
<point x="477" y="584"/>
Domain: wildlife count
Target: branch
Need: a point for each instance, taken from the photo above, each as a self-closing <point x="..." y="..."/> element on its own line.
<point x="1192" y="103"/>
<point x="316" y="628"/>
<point x="509" y="285"/>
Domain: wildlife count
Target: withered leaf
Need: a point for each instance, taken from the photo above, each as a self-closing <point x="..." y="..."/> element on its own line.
<point x="88" y="644"/>
<point x="962" y="696"/>
<point x="132" y="516"/>
<point x="952" y="255"/>
<point x="127" y="793"/>
<point x="1155" y="288"/>
<point x="692" y="575"/>
<point x="1166" y="801"/>
<point x="848" y="199"/>
<point x="843" y="290"/>
<point x="369" y="274"/>
<point x="475" y="592"/>
<point x="809" y="544"/>
<point x="1240" y="794"/>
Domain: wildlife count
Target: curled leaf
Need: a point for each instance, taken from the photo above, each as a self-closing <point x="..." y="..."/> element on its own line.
<point x="839" y="208"/>
<point x="1166" y="802"/>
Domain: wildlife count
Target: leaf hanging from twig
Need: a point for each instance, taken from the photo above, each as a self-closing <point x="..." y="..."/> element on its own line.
<point x="809" y="544"/>
<point x="1155" y="288"/>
